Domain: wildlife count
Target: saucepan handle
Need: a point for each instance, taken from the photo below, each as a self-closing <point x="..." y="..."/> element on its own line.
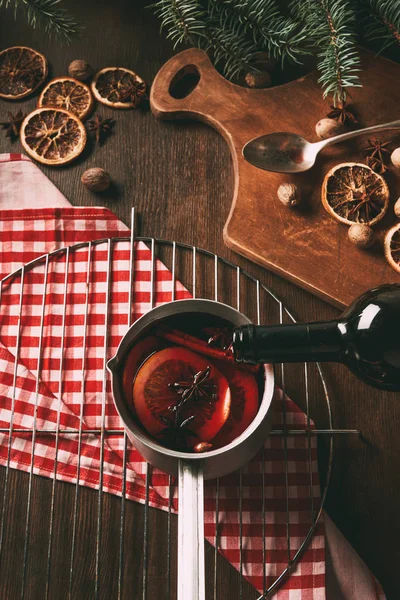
<point x="187" y="85"/>
<point x="191" y="578"/>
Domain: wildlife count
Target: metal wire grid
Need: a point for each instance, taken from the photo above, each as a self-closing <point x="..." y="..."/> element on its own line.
<point x="243" y="279"/>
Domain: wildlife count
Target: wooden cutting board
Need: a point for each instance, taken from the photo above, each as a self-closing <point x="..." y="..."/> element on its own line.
<point x="304" y="245"/>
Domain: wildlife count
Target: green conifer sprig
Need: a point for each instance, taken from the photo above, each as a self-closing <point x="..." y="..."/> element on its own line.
<point x="183" y="20"/>
<point x="383" y="23"/>
<point x="330" y="23"/>
<point x="261" y="22"/>
<point x="235" y="31"/>
<point x="47" y="14"/>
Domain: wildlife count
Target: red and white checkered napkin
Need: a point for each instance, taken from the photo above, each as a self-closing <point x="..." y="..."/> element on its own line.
<point x="27" y="234"/>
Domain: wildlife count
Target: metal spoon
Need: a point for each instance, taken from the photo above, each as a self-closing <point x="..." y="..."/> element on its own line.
<point x="290" y="153"/>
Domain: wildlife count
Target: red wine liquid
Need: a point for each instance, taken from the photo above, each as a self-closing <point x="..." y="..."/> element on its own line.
<point x="184" y="387"/>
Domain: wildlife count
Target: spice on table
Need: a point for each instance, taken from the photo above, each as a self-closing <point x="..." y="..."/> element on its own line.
<point x="22" y="71"/>
<point x="80" y="70"/>
<point x="395" y="158"/>
<point x="289" y="194"/>
<point x="13" y="125"/>
<point x="392" y="247"/>
<point x="100" y="127"/>
<point x="376" y="154"/>
<point x="354" y="193"/>
<point x="342" y="114"/>
<point x="53" y="136"/>
<point x="96" y="179"/>
<point x="326" y="128"/>
<point x="361" y="236"/>
<point x="118" y="87"/>
<point x="68" y="93"/>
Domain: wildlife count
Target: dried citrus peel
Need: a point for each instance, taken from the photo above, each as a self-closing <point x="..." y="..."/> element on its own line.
<point x="354" y="193"/>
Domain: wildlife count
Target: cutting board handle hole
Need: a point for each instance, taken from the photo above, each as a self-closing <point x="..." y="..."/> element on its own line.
<point x="184" y="82"/>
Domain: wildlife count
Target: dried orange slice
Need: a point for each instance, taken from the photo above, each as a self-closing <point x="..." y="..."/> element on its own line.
<point x="392" y="247"/>
<point x="68" y="93"/>
<point x="119" y="88"/>
<point x="354" y="193"/>
<point x="53" y="136"/>
<point x="22" y="71"/>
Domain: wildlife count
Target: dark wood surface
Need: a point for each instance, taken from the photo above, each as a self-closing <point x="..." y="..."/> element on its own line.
<point x="297" y="244"/>
<point x="179" y="177"/>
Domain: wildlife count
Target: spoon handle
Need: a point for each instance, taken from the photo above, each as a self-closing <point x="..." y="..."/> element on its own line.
<point x="352" y="134"/>
<point x="191" y="577"/>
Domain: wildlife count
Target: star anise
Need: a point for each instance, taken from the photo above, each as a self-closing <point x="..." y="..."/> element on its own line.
<point x="13" y="125"/>
<point x="342" y="113"/>
<point x="220" y="336"/>
<point x="174" y="435"/>
<point x="196" y="389"/>
<point x="136" y="93"/>
<point x="100" y="127"/>
<point x="376" y="153"/>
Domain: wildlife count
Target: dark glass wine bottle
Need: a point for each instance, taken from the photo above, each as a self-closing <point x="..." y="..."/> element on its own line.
<point x="366" y="337"/>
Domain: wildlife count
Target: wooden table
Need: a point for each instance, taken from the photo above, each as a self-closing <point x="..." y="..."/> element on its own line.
<point x="179" y="178"/>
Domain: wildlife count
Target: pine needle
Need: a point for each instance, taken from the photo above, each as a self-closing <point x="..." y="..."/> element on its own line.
<point x="47" y="14"/>
<point x="330" y="26"/>
<point x="383" y="22"/>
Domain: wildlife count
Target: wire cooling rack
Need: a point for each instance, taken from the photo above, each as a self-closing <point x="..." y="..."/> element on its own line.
<point x="205" y="275"/>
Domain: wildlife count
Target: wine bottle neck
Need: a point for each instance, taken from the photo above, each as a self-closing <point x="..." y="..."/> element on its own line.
<point x="298" y="342"/>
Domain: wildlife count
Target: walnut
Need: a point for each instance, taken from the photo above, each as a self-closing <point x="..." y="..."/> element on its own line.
<point x="80" y="70"/>
<point x="361" y="236"/>
<point x="96" y="179"/>
<point x="289" y="194"/>
<point x="326" y="128"/>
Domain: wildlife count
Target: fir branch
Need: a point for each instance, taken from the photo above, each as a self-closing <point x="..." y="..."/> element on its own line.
<point x="48" y="14"/>
<point x="184" y="20"/>
<point x="329" y="23"/>
<point x="262" y="21"/>
<point x="383" y="22"/>
<point x="230" y="50"/>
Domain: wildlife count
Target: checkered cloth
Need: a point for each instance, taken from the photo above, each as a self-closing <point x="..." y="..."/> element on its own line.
<point x="47" y="401"/>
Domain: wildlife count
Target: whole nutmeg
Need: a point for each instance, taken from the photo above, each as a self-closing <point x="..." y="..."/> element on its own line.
<point x="326" y="128"/>
<point x="80" y="70"/>
<point x="258" y="79"/>
<point x="96" y="179"/>
<point x="395" y="158"/>
<point x="397" y="208"/>
<point x="289" y="194"/>
<point x="361" y="236"/>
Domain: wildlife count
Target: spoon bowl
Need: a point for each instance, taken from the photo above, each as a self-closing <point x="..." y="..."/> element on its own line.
<point x="285" y="152"/>
<point x="281" y="152"/>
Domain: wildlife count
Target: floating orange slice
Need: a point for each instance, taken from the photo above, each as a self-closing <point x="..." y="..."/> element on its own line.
<point x="392" y="247"/>
<point x="53" y="136"/>
<point x="354" y="193"/>
<point x="22" y="71"/>
<point x="67" y="93"/>
<point x="119" y="88"/>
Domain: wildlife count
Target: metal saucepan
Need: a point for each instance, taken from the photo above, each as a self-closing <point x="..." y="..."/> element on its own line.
<point x="191" y="468"/>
